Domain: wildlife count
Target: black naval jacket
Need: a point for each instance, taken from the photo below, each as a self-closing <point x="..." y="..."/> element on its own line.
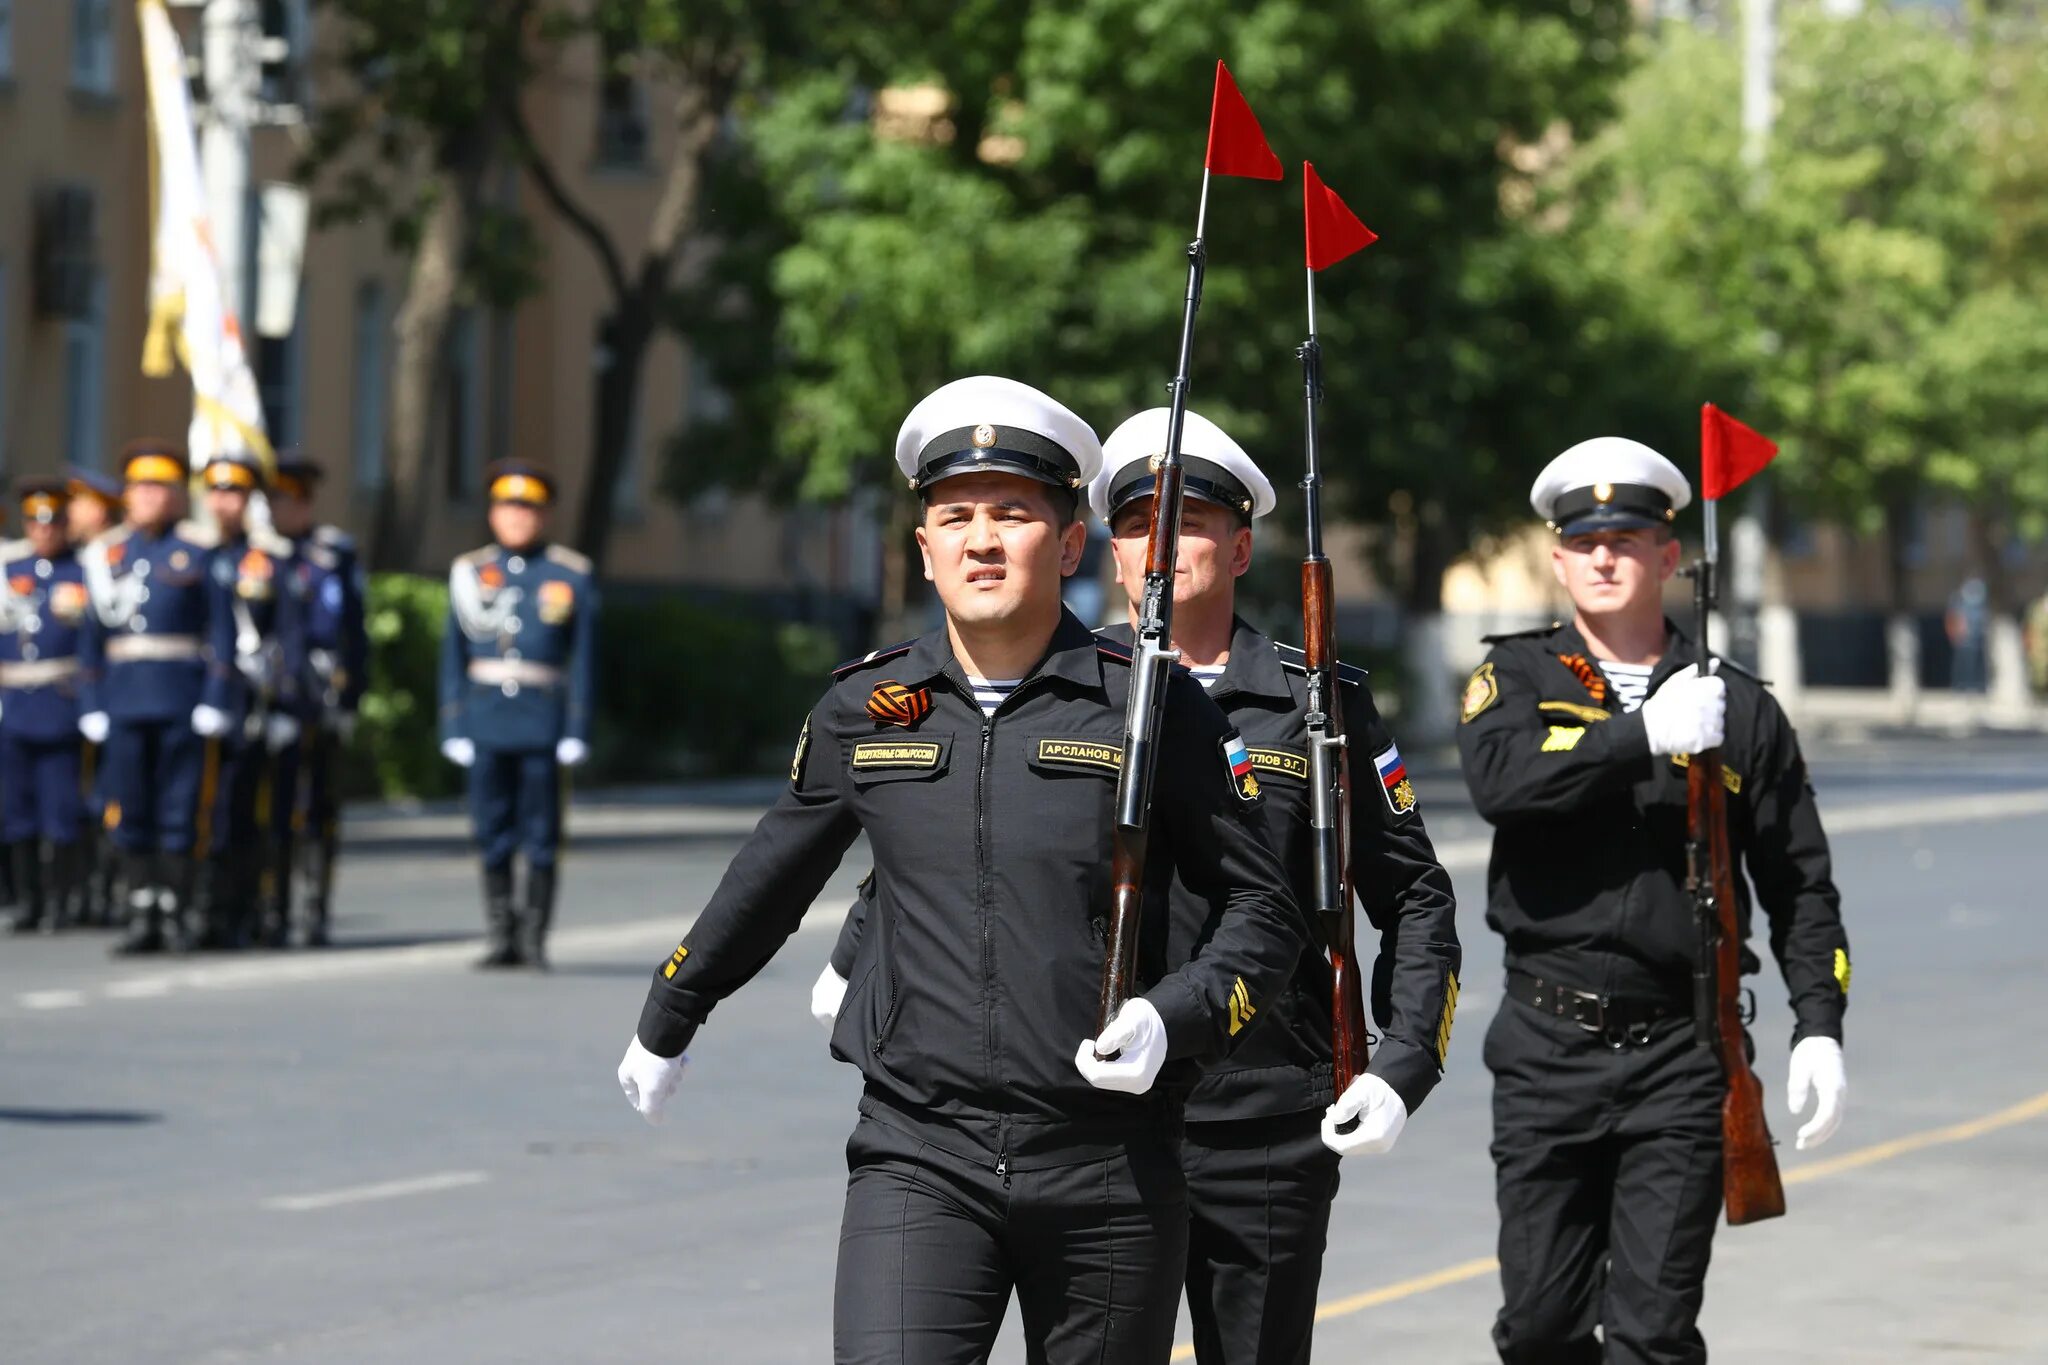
<point x="1587" y="881"/>
<point x="991" y="843"/>
<point x="1283" y="1064"/>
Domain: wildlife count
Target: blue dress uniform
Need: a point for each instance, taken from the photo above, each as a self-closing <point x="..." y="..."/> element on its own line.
<point x="326" y="583"/>
<point x="518" y="668"/>
<point x="154" y="627"/>
<point x="42" y="607"/>
<point x="95" y="506"/>
<point x="257" y="685"/>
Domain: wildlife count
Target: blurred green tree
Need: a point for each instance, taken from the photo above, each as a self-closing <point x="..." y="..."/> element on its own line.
<point x="1875" y="298"/>
<point x="1008" y="187"/>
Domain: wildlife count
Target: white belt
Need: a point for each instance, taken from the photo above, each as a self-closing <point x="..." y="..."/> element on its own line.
<point x="37" y="672"/>
<point x="497" y="672"/>
<point x="135" y="649"/>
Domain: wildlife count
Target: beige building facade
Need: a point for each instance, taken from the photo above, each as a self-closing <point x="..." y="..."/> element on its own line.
<point x="74" y="263"/>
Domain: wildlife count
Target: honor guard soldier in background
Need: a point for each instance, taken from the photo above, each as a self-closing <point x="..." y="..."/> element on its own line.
<point x="327" y="583"/>
<point x="1606" y="1107"/>
<point x="149" y="698"/>
<point x="1260" y="1177"/>
<point x="42" y="609"/>
<point x="518" y="668"/>
<point x="981" y="762"/>
<point x="257" y="690"/>
<point x="93" y="510"/>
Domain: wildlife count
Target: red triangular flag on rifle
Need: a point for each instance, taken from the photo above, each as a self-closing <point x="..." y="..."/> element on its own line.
<point x="1237" y="146"/>
<point x="1730" y="453"/>
<point x="1334" y="231"/>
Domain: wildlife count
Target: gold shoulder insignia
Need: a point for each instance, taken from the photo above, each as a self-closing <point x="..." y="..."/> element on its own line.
<point x="569" y="559"/>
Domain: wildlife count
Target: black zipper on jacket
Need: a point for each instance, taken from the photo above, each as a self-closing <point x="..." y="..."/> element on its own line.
<point x="981" y="906"/>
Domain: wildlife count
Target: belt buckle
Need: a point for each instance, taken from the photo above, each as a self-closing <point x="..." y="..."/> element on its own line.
<point x="1579" y="1001"/>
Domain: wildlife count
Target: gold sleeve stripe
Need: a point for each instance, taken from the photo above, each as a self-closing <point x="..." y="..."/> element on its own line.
<point x="1443" y="1027"/>
<point x="1241" y="1010"/>
<point x="1563" y="738"/>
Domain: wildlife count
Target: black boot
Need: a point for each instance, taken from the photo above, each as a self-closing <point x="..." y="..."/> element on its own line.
<point x="109" y="892"/>
<point x="67" y="883"/>
<point x="175" y="875"/>
<point x="318" y="892"/>
<point x="276" y="891"/>
<point x="212" y="912"/>
<point x="145" y="916"/>
<point x="540" y="909"/>
<point x="499" y="949"/>
<point x="26" y="857"/>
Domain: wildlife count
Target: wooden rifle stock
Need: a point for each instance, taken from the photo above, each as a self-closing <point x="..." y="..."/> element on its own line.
<point x="1750" y="1185"/>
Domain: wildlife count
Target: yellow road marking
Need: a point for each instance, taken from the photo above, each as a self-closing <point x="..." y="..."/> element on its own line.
<point x="2035" y="1108"/>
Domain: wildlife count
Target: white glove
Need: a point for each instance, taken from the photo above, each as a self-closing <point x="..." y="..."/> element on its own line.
<point x="343" y="725"/>
<point x="1687" y="714"/>
<point x="1136" y="1038"/>
<point x="827" y="994"/>
<point x="280" y="731"/>
<point x="1816" y="1071"/>
<point x="1380" y="1113"/>
<point x="649" y="1080"/>
<point x="210" y="721"/>
<point x="571" y="752"/>
<point x="460" y="752"/>
<point x="94" y="726"/>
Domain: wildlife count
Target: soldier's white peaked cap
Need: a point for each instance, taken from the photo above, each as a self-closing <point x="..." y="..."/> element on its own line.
<point x="1206" y="450"/>
<point x="988" y="423"/>
<point x="1609" y="481"/>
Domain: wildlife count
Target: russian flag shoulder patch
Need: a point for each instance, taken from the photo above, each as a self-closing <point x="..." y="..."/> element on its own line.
<point x="1393" y="771"/>
<point x="1237" y="762"/>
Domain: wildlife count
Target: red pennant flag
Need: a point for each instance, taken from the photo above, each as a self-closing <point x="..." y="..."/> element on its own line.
<point x="1334" y="231"/>
<point x="1237" y="146"/>
<point x="1730" y="453"/>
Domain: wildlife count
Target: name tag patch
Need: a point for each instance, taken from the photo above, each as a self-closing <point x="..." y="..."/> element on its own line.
<point x="1285" y="762"/>
<point x="1082" y="753"/>
<point x="894" y="753"/>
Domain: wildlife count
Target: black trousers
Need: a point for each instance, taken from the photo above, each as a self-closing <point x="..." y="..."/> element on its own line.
<point x="1607" y="1170"/>
<point x="1259" y="1193"/>
<point x="932" y="1245"/>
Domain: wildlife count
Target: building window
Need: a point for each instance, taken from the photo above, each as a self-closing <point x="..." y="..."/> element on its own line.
<point x="282" y="54"/>
<point x="462" y="413"/>
<point x="372" y="366"/>
<point x="279" y="381"/>
<point x="85" y="382"/>
<point x="621" y="109"/>
<point x="92" y="46"/>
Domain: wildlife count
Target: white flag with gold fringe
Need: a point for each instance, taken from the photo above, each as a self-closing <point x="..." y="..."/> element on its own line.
<point x="189" y="319"/>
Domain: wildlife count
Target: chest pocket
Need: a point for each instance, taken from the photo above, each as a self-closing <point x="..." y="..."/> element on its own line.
<point x="872" y="758"/>
<point x="1076" y="756"/>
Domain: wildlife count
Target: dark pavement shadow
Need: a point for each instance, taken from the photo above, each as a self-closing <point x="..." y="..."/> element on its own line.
<point x="104" y="1117"/>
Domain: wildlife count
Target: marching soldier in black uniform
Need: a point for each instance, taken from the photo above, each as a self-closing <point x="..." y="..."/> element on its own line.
<point x="42" y="608"/>
<point x="93" y="510"/>
<point x="1259" y="1170"/>
<point x="992" y="1155"/>
<point x="154" y="691"/>
<point x="518" y="670"/>
<point x="327" y="586"/>
<point x="1606" y="1109"/>
<point x="252" y="571"/>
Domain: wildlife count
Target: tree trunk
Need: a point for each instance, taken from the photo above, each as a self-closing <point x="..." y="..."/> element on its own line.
<point x="615" y="397"/>
<point x="1427" y="714"/>
<point x="405" y="503"/>
<point x="2005" y="653"/>
<point x="629" y="329"/>
<point x="898" y="555"/>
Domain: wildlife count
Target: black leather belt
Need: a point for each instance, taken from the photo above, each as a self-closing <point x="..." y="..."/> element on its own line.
<point x="1620" y="1022"/>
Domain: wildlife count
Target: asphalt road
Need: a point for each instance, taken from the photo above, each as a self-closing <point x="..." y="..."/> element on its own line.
<point x="376" y="1154"/>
